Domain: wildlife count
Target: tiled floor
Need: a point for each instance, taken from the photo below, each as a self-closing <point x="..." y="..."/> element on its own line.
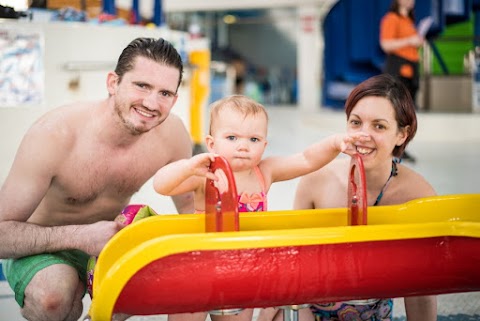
<point x="447" y="148"/>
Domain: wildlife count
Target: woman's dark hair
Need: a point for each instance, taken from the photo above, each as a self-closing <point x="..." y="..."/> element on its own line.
<point x="395" y="7"/>
<point x="389" y="87"/>
<point x="158" y="50"/>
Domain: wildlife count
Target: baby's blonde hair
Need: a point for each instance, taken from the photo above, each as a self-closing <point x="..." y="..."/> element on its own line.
<point x="239" y="103"/>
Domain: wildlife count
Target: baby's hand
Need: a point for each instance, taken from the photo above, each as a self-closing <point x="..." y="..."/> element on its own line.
<point x="200" y="165"/>
<point x="348" y="145"/>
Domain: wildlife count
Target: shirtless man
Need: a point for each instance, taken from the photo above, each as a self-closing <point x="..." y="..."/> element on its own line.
<point x="77" y="168"/>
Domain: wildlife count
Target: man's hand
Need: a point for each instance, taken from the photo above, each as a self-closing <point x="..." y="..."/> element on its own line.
<point x="96" y="235"/>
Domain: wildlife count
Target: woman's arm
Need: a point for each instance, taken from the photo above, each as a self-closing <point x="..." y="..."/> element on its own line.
<point x="389" y="40"/>
<point x="421" y="308"/>
<point x="390" y="45"/>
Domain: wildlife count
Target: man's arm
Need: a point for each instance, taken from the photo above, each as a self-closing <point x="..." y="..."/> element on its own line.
<point x="21" y="239"/>
<point x="181" y="148"/>
<point x="24" y="188"/>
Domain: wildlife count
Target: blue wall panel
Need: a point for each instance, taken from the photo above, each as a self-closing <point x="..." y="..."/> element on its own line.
<point x="352" y="49"/>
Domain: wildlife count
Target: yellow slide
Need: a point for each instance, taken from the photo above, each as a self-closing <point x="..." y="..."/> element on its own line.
<point x="168" y="264"/>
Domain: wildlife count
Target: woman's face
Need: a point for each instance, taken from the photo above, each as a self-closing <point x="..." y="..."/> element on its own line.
<point x="376" y="117"/>
<point x="407" y="4"/>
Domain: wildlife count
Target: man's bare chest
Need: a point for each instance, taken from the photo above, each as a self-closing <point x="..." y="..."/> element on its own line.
<point x="84" y="179"/>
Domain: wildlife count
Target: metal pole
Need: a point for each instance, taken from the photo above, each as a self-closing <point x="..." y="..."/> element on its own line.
<point x="287" y="313"/>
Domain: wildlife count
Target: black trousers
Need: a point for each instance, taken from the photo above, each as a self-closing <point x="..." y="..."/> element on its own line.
<point x="394" y="63"/>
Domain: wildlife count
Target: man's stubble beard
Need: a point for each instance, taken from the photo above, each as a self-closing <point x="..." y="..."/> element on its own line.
<point x="134" y="131"/>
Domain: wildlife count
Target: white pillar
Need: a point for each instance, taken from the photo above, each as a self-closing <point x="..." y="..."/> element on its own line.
<point x="309" y="58"/>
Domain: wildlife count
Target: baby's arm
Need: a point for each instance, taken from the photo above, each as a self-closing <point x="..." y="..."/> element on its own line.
<point x="320" y="154"/>
<point x="184" y="175"/>
<point x="312" y="158"/>
<point x="347" y="142"/>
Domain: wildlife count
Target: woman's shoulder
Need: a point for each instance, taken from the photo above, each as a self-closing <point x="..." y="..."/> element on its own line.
<point x="412" y="184"/>
<point x="324" y="188"/>
<point x="390" y="16"/>
<point x="337" y="167"/>
<point x="333" y="173"/>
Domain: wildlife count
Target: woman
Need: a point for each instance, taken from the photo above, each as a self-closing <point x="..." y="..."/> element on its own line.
<point x="380" y="107"/>
<point x="400" y="41"/>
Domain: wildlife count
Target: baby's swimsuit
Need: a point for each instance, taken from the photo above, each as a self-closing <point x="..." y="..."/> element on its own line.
<point x="255" y="202"/>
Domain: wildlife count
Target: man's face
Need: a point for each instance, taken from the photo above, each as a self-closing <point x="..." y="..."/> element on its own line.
<point x="145" y="95"/>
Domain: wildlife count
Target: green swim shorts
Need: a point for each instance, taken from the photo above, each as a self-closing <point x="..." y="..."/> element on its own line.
<point x="19" y="272"/>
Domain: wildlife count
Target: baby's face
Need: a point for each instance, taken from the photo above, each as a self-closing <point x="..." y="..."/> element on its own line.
<point x="240" y="139"/>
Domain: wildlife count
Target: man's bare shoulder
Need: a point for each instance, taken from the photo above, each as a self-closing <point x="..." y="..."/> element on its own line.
<point x="174" y="122"/>
<point x="64" y="118"/>
<point x="60" y="125"/>
<point x="172" y="135"/>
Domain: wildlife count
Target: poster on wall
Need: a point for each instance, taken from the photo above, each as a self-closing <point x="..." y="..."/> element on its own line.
<point x="21" y="67"/>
